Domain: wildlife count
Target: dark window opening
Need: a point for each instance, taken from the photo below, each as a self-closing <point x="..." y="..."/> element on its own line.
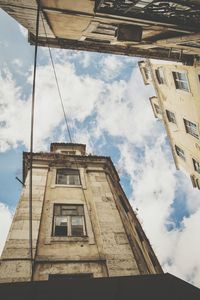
<point x="160" y="76"/>
<point x="129" y="33"/>
<point x="180" y="152"/>
<point x="196" y="165"/>
<point x="171" y="116"/>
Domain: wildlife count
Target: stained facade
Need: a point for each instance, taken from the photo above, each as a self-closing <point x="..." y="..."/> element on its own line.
<point x="177" y="104"/>
<point x="147" y="28"/>
<point x="82" y="223"/>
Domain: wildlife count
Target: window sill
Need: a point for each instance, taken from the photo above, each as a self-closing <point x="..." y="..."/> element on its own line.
<point x="69" y="239"/>
<point x="66" y="186"/>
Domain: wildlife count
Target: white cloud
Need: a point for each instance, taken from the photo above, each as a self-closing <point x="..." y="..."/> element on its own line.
<point x="111" y="66"/>
<point x="6" y="218"/>
<point x="14" y="114"/>
<point x="121" y="110"/>
<point x="79" y="95"/>
<point x="23" y="30"/>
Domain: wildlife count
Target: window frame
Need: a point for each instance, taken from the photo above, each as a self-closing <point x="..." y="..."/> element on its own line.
<point x="179" y="82"/>
<point x="197" y="169"/>
<point x="69" y="222"/>
<point x="67" y="183"/>
<point x="170" y="118"/>
<point x="159" y="72"/>
<point x="180" y="152"/>
<point x="190" y="131"/>
<point x="157" y="108"/>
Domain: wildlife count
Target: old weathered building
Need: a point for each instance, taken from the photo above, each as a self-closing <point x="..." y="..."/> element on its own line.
<point x="167" y="30"/>
<point x="82" y="223"/>
<point x="177" y="105"/>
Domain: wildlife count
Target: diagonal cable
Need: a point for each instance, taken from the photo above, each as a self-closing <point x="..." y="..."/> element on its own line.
<point x="57" y="84"/>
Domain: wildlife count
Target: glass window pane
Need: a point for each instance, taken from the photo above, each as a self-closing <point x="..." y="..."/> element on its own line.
<point x="74" y="180"/>
<point x="182" y="76"/>
<point x="184" y="86"/>
<point x="61" y="228"/>
<point x="77" y="226"/>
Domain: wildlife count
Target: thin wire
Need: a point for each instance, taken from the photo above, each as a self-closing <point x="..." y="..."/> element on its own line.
<point x="31" y="145"/>
<point x="58" y="87"/>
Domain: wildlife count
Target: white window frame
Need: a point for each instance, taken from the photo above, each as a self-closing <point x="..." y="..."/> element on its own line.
<point x="180" y="82"/>
<point x="180" y="152"/>
<point x="190" y="129"/>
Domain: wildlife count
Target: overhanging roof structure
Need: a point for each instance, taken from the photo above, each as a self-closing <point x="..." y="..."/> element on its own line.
<point x="152" y="28"/>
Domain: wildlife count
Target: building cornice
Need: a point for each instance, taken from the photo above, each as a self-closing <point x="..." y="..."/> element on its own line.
<point x="56" y="159"/>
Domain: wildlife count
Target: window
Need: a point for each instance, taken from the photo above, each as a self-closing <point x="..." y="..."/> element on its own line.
<point x="160" y="75"/>
<point x="196" y="165"/>
<point x="180" y="152"/>
<point x="68" y="177"/>
<point x="157" y="109"/>
<point x="68" y="220"/>
<point x="181" y="81"/>
<point x="68" y="152"/>
<point x="146" y="73"/>
<point x="191" y="128"/>
<point x="171" y="116"/>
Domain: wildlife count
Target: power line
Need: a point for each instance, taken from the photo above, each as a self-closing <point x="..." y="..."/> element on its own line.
<point x="57" y="84"/>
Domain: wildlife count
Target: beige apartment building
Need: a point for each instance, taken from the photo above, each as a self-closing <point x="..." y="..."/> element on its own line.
<point x="177" y="104"/>
<point x="82" y="223"/>
<point x="160" y="29"/>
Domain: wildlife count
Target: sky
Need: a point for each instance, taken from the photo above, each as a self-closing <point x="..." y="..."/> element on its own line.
<point x="108" y="109"/>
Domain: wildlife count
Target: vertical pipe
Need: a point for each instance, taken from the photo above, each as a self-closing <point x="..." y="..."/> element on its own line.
<point x="31" y="145"/>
